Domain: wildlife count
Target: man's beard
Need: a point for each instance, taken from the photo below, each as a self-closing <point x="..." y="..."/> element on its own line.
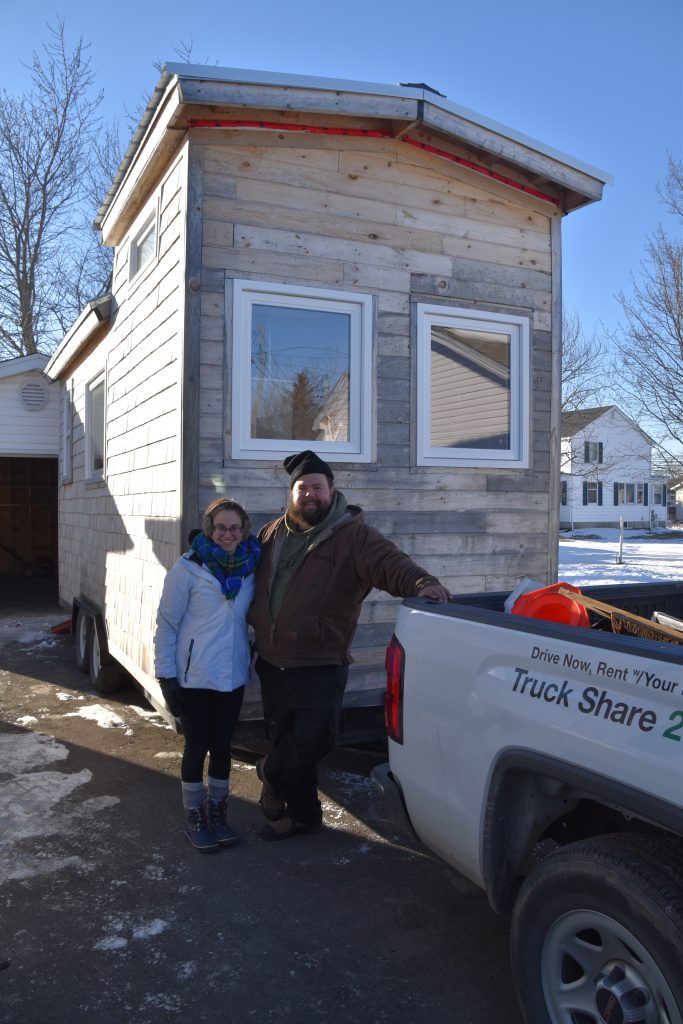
<point x="305" y="518"/>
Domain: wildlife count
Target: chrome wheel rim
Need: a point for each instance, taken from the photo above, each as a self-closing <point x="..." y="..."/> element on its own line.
<point x="595" y="971"/>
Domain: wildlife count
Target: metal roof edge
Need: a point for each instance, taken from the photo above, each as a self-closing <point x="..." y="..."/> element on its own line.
<point x="204" y="72"/>
<point x="97" y="312"/>
<point x="220" y="74"/>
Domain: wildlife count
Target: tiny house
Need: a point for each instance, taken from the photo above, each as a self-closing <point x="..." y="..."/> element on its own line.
<point x="371" y="271"/>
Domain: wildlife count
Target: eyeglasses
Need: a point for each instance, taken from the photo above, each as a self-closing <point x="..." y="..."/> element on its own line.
<point x="222" y="530"/>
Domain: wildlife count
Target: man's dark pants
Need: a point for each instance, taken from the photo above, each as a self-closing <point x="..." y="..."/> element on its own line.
<point x="301" y="707"/>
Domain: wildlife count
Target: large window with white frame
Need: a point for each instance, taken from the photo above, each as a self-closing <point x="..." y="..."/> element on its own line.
<point x="472" y="388"/>
<point x="302" y="372"/>
<point x="95" y="427"/>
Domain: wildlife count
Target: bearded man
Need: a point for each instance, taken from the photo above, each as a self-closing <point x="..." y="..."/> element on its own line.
<point x="319" y="561"/>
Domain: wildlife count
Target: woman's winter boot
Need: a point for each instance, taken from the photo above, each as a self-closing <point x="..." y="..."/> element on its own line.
<point x="216" y="811"/>
<point x="198" y="829"/>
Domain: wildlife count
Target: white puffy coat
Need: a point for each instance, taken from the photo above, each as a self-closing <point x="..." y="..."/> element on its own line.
<point x="201" y="638"/>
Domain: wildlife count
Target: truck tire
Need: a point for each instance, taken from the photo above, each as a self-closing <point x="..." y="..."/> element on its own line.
<point x="82" y="633"/>
<point x="104" y="678"/>
<point x="597" y="934"/>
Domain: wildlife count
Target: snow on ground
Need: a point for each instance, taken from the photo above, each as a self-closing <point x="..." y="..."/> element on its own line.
<point x="31" y="805"/>
<point x="590" y="557"/>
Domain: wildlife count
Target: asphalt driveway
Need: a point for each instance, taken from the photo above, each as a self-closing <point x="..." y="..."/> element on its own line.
<point x="109" y="915"/>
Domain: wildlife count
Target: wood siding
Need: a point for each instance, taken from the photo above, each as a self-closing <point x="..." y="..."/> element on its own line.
<point x="120" y="535"/>
<point x="405" y="227"/>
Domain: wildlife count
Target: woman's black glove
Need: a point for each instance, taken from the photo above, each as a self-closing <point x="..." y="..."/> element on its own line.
<point x="173" y="695"/>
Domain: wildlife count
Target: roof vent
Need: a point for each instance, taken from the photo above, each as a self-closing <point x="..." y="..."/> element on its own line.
<point x="421" y="85"/>
<point x="33" y="395"/>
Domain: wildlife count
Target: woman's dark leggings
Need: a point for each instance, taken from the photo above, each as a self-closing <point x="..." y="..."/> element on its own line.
<point x="208" y="719"/>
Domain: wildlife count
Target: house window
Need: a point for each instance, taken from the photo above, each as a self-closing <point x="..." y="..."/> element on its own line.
<point x="592" y="492"/>
<point x="143" y="248"/>
<point x="592" y="451"/>
<point x="94" y="428"/>
<point x="659" y="492"/>
<point x="302" y="372"/>
<point x="630" y="494"/>
<point x="67" y="431"/>
<point x="563" y="492"/>
<point x="472" y="388"/>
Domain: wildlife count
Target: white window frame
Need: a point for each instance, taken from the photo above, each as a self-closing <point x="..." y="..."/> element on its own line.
<point x="91" y="473"/>
<point x="150" y="223"/>
<point x="359" y="306"/>
<point x="592" y="487"/>
<point x="517" y="328"/>
<point x="593" y="450"/>
<point x="67" y="432"/>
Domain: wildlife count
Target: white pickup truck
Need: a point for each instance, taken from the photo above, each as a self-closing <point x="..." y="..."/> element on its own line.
<point x="545" y="763"/>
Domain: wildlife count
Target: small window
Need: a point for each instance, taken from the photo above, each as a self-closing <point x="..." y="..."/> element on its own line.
<point x="67" y="432"/>
<point x="592" y="492"/>
<point x="143" y="248"/>
<point x="302" y="372"/>
<point x="472" y="388"/>
<point x="592" y="451"/>
<point x="659" y="494"/>
<point x="94" y="429"/>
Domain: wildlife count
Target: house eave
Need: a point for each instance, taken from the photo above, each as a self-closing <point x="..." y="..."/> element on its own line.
<point x="23" y="364"/>
<point x="182" y="87"/>
<point x="79" y="336"/>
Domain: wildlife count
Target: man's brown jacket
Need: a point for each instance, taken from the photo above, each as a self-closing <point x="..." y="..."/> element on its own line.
<point x="319" y="613"/>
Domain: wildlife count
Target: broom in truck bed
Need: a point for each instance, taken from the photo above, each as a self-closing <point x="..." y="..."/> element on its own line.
<point x="626" y="622"/>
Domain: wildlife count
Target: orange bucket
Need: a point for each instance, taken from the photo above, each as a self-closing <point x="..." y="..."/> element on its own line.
<point x="546" y="603"/>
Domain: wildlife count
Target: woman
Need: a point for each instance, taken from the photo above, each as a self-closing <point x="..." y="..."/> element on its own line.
<point x="201" y="657"/>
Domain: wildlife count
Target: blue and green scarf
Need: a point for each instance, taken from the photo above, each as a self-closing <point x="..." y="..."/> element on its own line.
<point x="229" y="570"/>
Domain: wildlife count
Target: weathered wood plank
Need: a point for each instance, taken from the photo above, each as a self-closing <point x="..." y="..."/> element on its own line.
<point x="294" y="220"/>
<point x="321" y="247"/>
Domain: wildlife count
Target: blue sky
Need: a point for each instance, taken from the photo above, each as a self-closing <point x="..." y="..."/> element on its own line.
<point x="601" y="80"/>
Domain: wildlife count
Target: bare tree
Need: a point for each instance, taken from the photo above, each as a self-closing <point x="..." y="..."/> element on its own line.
<point x="583" y="377"/>
<point x="51" y="262"/>
<point x="648" y="365"/>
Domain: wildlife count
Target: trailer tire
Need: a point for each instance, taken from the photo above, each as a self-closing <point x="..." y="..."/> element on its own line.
<point x="104" y="678"/>
<point x="82" y="631"/>
<point x="597" y="930"/>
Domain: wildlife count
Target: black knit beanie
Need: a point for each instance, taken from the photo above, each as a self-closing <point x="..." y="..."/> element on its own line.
<point x="305" y="462"/>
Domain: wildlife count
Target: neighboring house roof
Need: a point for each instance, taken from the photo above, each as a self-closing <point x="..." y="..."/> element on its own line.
<point x="22" y="364"/>
<point x="411" y="114"/>
<point x="576" y="420"/>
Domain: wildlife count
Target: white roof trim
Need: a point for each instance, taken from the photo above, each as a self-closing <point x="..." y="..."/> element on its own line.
<point x="23" y="364"/>
<point x="93" y="316"/>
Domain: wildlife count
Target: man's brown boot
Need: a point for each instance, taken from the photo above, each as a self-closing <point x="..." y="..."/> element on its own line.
<point x="272" y="805"/>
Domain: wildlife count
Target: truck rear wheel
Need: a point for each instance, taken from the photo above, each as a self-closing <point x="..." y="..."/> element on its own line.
<point x="597" y="934"/>
<point x="84" y="625"/>
<point x="104" y="678"/>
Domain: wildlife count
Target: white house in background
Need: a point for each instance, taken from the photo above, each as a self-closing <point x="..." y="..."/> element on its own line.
<point x="606" y="472"/>
<point x="29" y="446"/>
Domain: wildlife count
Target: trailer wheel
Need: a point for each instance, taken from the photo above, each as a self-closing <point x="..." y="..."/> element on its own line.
<point x="84" y="625"/>
<point x="104" y="678"/>
<point x="597" y="934"/>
